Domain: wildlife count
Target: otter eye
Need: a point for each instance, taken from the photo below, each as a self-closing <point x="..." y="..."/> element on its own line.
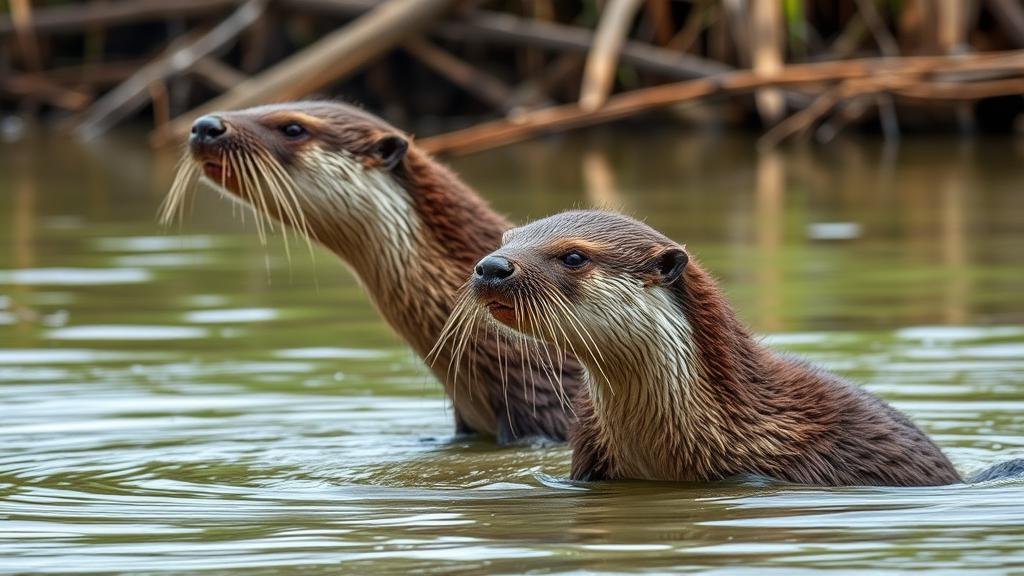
<point x="293" y="130"/>
<point x="573" y="259"/>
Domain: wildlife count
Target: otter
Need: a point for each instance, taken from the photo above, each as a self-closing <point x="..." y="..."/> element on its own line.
<point x="408" y="228"/>
<point x="679" y="389"/>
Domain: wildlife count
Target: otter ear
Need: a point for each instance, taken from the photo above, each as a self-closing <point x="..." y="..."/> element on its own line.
<point x="390" y="150"/>
<point x="670" y="265"/>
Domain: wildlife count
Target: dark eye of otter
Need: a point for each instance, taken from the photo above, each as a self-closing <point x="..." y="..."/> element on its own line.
<point x="573" y="259"/>
<point x="293" y="130"/>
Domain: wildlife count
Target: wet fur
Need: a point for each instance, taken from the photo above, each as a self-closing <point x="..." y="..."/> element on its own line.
<point x="411" y="232"/>
<point x="681" y="391"/>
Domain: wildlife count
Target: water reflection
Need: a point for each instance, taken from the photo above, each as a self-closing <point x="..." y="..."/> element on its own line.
<point x="169" y="406"/>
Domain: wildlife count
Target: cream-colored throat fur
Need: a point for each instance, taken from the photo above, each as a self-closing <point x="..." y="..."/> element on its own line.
<point x="645" y="376"/>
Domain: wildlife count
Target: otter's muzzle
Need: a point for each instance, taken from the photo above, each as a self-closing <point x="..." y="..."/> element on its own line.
<point x="494" y="269"/>
<point x="207" y="130"/>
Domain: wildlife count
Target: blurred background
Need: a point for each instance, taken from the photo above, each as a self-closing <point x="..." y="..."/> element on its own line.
<point x="186" y="400"/>
<point x="818" y="68"/>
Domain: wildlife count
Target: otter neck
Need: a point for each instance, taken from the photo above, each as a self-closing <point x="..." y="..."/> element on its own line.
<point x="683" y="388"/>
<point x="416" y="243"/>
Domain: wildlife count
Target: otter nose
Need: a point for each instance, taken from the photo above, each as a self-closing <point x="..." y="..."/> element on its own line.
<point x="494" y="268"/>
<point x="207" y="129"/>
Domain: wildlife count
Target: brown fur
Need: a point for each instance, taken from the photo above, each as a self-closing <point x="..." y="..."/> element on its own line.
<point x="414" y="291"/>
<point x="722" y="404"/>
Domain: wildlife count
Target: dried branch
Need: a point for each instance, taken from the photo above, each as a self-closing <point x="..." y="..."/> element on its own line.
<point x="505" y="29"/>
<point x="217" y="74"/>
<point x="132" y="94"/>
<point x="79" y="17"/>
<point x="41" y="88"/>
<point x="599" y="71"/>
<point x="887" y="45"/>
<point x="335" y="55"/>
<point x="480" y="83"/>
<point x="766" y="45"/>
<point x="502" y="132"/>
<point x="1010" y="16"/>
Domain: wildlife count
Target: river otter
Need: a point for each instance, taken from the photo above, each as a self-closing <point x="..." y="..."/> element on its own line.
<point x="408" y="228"/>
<point x="679" y="390"/>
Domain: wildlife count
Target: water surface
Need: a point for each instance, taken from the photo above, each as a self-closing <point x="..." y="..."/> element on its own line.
<point x="188" y="401"/>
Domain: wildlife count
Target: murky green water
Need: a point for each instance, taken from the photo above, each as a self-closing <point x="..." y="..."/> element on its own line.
<point x="186" y="402"/>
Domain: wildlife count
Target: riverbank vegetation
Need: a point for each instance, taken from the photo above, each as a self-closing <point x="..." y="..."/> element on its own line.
<point x="476" y="75"/>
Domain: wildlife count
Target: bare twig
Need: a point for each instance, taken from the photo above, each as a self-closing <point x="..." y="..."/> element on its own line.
<point x="475" y="81"/>
<point x="493" y="134"/>
<point x="43" y="89"/>
<point x="766" y="37"/>
<point x="217" y="74"/>
<point x="888" y="118"/>
<point x="161" y="103"/>
<point x="599" y="71"/>
<point x="21" y="22"/>
<point x="534" y="92"/>
<point x="659" y="14"/>
<point x="802" y="120"/>
<point x="700" y="13"/>
<point x="962" y="91"/>
<point x="508" y="30"/>
<point x="83" y="16"/>
<point x="887" y="45"/>
<point x="1010" y="16"/>
<point x="132" y="93"/>
<point x="335" y="55"/>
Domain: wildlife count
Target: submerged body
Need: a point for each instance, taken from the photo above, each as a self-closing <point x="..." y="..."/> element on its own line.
<point x="678" y="388"/>
<point x="408" y="228"/>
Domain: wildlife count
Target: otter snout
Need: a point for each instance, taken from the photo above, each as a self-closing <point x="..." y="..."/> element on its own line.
<point x="209" y="134"/>
<point x="490" y="283"/>
<point x="207" y="130"/>
<point x="494" y="268"/>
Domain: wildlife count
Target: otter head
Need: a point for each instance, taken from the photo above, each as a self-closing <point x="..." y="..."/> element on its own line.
<point x="581" y="279"/>
<point x="323" y="168"/>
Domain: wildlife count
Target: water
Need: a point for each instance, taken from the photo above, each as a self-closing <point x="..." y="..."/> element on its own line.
<point x="192" y="402"/>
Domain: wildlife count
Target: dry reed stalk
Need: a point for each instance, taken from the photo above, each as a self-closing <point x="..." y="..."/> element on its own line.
<point x="331" y="58"/>
<point x="480" y="83"/>
<point x="502" y="132"/>
<point x="767" y="31"/>
<point x="599" y="72"/>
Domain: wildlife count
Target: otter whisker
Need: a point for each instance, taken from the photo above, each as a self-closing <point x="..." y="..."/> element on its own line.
<point x="287" y="185"/>
<point x="528" y="311"/>
<point x="185" y="177"/>
<point x="471" y="338"/>
<point x="258" y="200"/>
<point x="479" y="324"/>
<point x="580" y="329"/>
<point x="544" y="311"/>
<point x="263" y="222"/>
<point x="455" y="358"/>
<point x="255" y="184"/>
<point x="229" y="167"/>
<point x="226" y="168"/>
<point x="285" y="211"/>
<point x="455" y="318"/>
<point x="460" y="348"/>
<point x="462" y="317"/>
<point x="524" y="348"/>
<point x="503" y="368"/>
<point x="293" y="212"/>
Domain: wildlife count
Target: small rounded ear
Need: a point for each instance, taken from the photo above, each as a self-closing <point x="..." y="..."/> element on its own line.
<point x="390" y="150"/>
<point x="671" y="264"/>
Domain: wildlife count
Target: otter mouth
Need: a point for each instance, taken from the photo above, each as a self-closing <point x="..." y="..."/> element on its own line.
<point x="502" y="312"/>
<point x="213" y="170"/>
<point x="217" y="171"/>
